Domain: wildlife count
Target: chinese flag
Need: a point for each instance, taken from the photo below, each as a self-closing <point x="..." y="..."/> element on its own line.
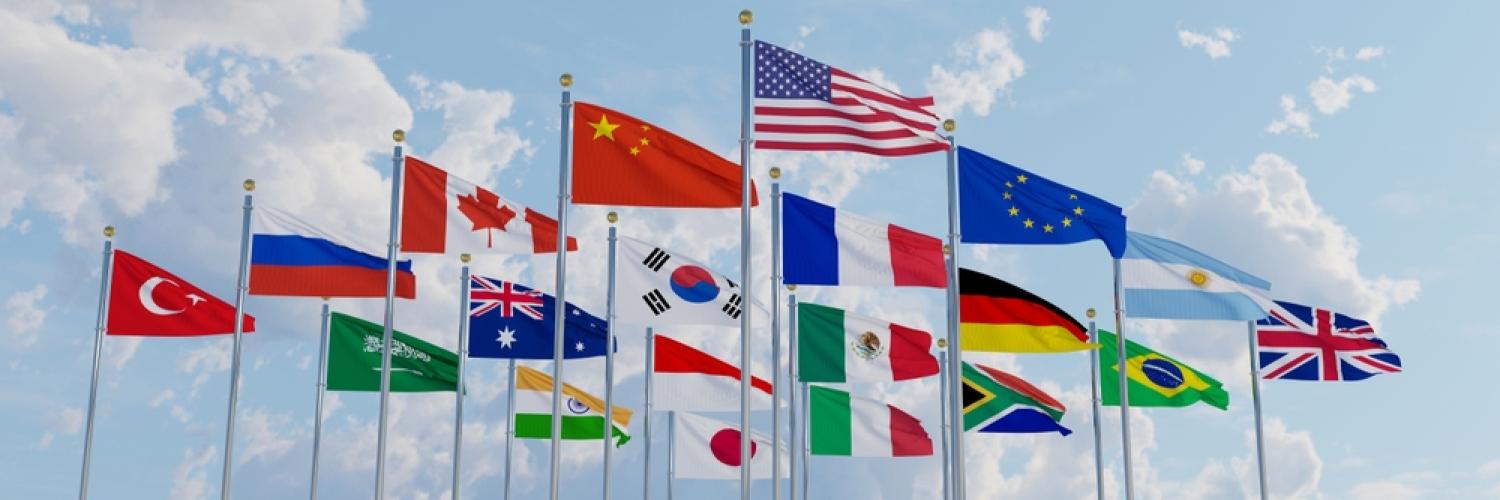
<point x="621" y="160"/>
<point x="147" y="300"/>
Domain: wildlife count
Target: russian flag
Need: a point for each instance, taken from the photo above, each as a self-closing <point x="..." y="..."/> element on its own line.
<point x="824" y="246"/>
<point x="289" y="257"/>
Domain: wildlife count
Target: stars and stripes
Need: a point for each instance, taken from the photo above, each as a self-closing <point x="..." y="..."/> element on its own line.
<point x="486" y="295"/>
<point x="1298" y="342"/>
<point x="804" y="105"/>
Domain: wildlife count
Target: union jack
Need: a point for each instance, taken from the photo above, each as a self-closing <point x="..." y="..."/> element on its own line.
<point x="485" y="295"/>
<point x="1298" y="342"/>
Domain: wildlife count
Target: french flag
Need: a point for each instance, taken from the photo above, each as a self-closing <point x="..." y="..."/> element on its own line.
<point x="290" y="257"/>
<point x="824" y="246"/>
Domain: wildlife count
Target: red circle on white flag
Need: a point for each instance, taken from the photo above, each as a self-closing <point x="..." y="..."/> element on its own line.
<point x="725" y="446"/>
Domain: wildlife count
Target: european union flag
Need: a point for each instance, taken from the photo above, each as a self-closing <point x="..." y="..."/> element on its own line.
<point x="1001" y="203"/>
<point x="507" y="320"/>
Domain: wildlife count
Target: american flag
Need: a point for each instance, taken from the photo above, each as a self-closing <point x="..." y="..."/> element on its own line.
<point x="805" y="105"/>
<point x="1298" y="342"/>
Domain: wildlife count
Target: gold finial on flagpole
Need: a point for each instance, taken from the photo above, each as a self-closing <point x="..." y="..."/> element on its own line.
<point x="947" y="249"/>
<point x="566" y="80"/>
<point x="949" y="125"/>
<point x="942" y="343"/>
<point x="791" y="288"/>
<point x="109" y="231"/>
<point x="746" y="17"/>
<point x="464" y="258"/>
<point x="398" y="135"/>
<point x="775" y="172"/>
<point x="1091" y="313"/>
<point x="249" y="184"/>
<point x="325" y="298"/>
<point x="612" y="217"/>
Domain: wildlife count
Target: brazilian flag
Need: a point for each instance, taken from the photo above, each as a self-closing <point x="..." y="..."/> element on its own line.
<point x="1153" y="378"/>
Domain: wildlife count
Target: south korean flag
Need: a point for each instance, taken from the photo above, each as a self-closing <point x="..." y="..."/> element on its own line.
<point x="659" y="287"/>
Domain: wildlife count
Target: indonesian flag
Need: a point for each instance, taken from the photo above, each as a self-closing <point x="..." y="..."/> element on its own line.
<point x="705" y="448"/>
<point x="689" y="379"/>
<point x="441" y="213"/>
<point x="149" y="301"/>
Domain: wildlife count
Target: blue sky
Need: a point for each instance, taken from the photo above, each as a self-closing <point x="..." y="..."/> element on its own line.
<point x="1342" y="150"/>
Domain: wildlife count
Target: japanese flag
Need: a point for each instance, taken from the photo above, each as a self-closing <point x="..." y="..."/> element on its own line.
<point x="704" y="448"/>
<point x="660" y="287"/>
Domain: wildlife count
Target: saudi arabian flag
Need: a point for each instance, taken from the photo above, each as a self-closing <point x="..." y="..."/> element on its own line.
<point x="1154" y="379"/>
<point x="844" y="425"/>
<point x="354" y="352"/>
<point x="583" y="414"/>
<point x="834" y="345"/>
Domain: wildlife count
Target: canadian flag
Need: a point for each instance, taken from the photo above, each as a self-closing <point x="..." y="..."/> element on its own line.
<point x="685" y="378"/>
<point x="441" y="213"/>
<point x="704" y="448"/>
<point x="147" y="300"/>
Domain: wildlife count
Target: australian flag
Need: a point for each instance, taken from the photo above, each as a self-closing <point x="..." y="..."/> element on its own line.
<point x="1298" y="342"/>
<point x="507" y="320"/>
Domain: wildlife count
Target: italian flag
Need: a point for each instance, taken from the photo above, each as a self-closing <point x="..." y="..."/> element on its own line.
<point x="834" y="345"/>
<point x="582" y="413"/>
<point x="843" y="425"/>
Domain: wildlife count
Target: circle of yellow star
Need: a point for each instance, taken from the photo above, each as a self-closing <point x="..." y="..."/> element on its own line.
<point x="1021" y="178"/>
<point x="1014" y="211"/>
<point x="604" y="128"/>
<point x="1067" y="222"/>
<point x="1028" y="223"/>
<point x="1005" y="195"/>
<point x="1078" y="211"/>
<point x="1072" y="196"/>
<point x="1047" y="228"/>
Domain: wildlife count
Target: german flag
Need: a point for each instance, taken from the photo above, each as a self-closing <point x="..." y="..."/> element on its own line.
<point x="995" y="316"/>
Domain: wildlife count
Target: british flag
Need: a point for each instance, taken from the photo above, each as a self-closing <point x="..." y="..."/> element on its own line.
<point x="486" y="294"/>
<point x="1298" y="342"/>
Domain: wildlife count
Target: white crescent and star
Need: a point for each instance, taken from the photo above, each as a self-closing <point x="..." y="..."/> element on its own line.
<point x="150" y="304"/>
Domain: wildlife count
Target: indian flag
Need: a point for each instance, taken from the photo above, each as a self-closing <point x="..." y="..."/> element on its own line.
<point x="837" y="346"/>
<point x="844" y="425"/>
<point x="582" y="417"/>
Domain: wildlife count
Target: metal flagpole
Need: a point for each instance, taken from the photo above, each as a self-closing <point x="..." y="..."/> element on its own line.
<point x="955" y="366"/>
<point x="564" y="169"/>
<point x="322" y="389"/>
<point x="1098" y="429"/>
<point x="802" y="443"/>
<point x="1124" y="389"/>
<point x="671" y="450"/>
<point x="239" y="331"/>
<point x="510" y="424"/>
<point x="943" y="406"/>
<point x="650" y="370"/>
<point x="463" y="356"/>
<point x="775" y="333"/>
<point x="791" y="370"/>
<point x="105" y="272"/>
<point x="609" y="358"/>
<point x="1260" y="434"/>
<point x="393" y="248"/>
<point x="746" y="92"/>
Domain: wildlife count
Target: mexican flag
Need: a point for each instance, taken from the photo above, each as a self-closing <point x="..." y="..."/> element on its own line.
<point x="582" y="417"/>
<point x="843" y="425"/>
<point x="834" y="345"/>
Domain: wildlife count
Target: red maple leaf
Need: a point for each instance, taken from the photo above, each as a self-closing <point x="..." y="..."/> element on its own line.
<point x="484" y="211"/>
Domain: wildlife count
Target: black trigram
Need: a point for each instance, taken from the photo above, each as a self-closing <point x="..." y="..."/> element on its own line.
<point x="731" y="283"/>
<point x="656" y="259"/>
<point x="656" y="302"/>
<point x="732" y="307"/>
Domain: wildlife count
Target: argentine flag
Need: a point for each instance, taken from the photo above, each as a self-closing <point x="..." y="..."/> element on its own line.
<point x="1164" y="279"/>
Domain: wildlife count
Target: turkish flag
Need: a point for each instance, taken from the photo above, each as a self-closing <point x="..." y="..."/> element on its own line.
<point x="621" y="160"/>
<point x="147" y="300"/>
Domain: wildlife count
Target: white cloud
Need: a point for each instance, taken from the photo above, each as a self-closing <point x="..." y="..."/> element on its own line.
<point x="986" y="64"/>
<point x="279" y="29"/>
<point x="1293" y="119"/>
<point x="475" y="145"/>
<point x="162" y="397"/>
<point x="1385" y="490"/>
<point x="1192" y="165"/>
<point x="23" y="317"/>
<point x="1369" y="53"/>
<point x="257" y="429"/>
<point x="878" y="77"/>
<point x="804" y="30"/>
<point x="1036" y="23"/>
<point x="1330" y="97"/>
<point x="190" y="480"/>
<point x="1215" y="44"/>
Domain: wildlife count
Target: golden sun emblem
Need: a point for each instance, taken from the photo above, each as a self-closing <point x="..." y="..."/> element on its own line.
<point x="1198" y="278"/>
<point x="867" y="346"/>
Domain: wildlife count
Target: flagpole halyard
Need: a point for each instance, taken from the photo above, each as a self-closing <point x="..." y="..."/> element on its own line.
<point x="564" y="170"/>
<point x="463" y="356"/>
<point x="106" y="270"/>
<point x="776" y="333"/>
<point x="650" y="371"/>
<point x="746" y="141"/>
<point x="393" y="249"/>
<point x="1124" y="388"/>
<point x="1095" y="406"/>
<point x="1260" y="433"/>
<point x="955" y="367"/>
<point x="609" y="355"/>
<point x="239" y="329"/>
<point x="322" y="377"/>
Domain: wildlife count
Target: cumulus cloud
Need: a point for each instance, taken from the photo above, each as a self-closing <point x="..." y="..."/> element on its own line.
<point x="23" y="316"/>
<point x="1369" y="53"/>
<point x="1293" y="119"/>
<point x="1191" y="164"/>
<point x="190" y="479"/>
<point x="279" y="29"/>
<point x="1331" y="97"/>
<point x="985" y="65"/>
<point x="1036" y="23"/>
<point x="1215" y="43"/>
<point x="475" y="145"/>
